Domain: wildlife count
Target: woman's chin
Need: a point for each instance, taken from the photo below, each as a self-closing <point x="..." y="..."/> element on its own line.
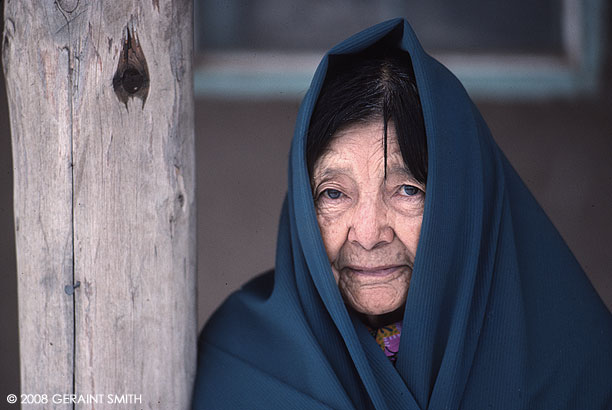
<point x="376" y="301"/>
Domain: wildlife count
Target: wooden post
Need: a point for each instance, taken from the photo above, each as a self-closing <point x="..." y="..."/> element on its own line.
<point x="101" y="106"/>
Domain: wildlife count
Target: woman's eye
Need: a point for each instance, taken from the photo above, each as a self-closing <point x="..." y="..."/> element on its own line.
<point x="409" y="190"/>
<point x="332" y="193"/>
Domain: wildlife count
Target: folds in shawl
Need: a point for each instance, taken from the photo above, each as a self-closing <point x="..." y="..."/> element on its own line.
<point x="499" y="314"/>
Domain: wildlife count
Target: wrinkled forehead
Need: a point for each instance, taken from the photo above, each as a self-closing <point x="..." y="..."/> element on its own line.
<point x="363" y="146"/>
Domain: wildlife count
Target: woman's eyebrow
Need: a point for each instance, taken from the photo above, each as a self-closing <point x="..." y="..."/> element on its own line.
<point x="400" y="170"/>
<point x="329" y="172"/>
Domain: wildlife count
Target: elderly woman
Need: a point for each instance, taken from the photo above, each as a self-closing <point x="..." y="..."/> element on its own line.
<point x="414" y="270"/>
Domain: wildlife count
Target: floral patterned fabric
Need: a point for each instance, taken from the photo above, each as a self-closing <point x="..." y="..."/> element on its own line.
<point x="388" y="338"/>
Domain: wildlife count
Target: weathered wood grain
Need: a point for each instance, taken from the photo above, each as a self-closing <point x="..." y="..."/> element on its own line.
<point x="104" y="197"/>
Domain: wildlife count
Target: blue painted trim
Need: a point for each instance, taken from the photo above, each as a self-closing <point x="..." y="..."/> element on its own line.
<point x="517" y="81"/>
<point x="285" y="85"/>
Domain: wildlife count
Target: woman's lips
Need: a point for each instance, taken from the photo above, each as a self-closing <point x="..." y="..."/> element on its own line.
<point x="375" y="271"/>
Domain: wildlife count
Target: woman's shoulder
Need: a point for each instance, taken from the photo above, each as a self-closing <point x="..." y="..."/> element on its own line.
<point x="253" y="353"/>
<point x="258" y="287"/>
<point x="237" y="305"/>
<point x="255" y="291"/>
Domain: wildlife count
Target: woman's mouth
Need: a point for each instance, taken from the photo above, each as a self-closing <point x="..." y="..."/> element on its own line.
<point x="375" y="271"/>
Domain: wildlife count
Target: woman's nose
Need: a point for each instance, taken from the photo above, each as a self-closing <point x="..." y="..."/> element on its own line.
<point x="370" y="227"/>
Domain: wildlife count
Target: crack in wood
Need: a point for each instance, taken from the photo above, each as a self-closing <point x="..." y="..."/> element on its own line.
<point x="69" y="19"/>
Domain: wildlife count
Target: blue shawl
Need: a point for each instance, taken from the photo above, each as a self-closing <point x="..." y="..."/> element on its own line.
<point x="499" y="314"/>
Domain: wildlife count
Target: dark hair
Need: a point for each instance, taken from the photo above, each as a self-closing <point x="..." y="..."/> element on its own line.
<point x="367" y="87"/>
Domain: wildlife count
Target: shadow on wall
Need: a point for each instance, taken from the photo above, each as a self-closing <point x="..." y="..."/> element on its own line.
<point x="9" y="343"/>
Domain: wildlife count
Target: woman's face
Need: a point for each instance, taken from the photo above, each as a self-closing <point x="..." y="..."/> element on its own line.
<point x="370" y="224"/>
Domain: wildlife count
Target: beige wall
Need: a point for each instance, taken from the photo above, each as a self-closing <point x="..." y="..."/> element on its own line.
<point x="562" y="149"/>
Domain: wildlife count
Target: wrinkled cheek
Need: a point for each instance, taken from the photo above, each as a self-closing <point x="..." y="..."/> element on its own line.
<point x="333" y="238"/>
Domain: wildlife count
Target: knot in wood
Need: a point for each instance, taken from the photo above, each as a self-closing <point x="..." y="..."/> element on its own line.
<point x="132" y="80"/>
<point x="132" y="76"/>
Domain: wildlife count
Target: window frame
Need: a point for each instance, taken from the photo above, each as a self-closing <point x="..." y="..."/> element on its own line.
<point x="250" y="74"/>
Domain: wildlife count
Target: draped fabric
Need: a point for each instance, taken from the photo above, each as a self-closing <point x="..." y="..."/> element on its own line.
<point x="499" y="314"/>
